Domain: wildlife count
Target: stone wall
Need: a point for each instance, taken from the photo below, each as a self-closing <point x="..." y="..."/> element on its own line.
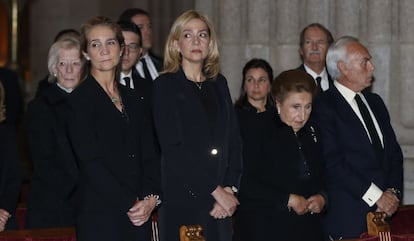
<point x="269" y="29"/>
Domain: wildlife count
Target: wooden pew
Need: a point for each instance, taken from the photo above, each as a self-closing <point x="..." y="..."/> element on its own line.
<point x="48" y="234"/>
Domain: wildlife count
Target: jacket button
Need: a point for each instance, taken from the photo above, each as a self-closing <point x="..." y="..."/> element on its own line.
<point x="214" y="151"/>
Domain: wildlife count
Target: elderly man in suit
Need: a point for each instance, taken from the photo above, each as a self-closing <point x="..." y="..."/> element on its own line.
<point x="315" y="40"/>
<point x="364" y="162"/>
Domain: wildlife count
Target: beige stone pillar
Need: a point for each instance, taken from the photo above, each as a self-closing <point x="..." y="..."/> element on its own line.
<point x="404" y="95"/>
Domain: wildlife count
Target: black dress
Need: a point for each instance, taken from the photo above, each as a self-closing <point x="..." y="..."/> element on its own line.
<point x="201" y="149"/>
<point x="288" y="163"/>
<point x="51" y="200"/>
<point x="117" y="159"/>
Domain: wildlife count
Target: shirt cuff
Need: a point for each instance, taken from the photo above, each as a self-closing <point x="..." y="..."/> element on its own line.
<point x="372" y="195"/>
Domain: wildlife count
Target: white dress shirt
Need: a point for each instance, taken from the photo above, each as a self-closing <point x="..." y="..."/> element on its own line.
<point x="122" y="81"/>
<point x="151" y="67"/>
<point x="323" y="75"/>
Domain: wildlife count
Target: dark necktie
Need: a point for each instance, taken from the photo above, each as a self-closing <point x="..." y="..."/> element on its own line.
<point x="127" y="82"/>
<point x="145" y="68"/>
<point x="318" y="81"/>
<point x="375" y="140"/>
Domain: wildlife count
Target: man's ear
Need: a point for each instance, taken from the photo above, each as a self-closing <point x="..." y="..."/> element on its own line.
<point x="341" y="65"/>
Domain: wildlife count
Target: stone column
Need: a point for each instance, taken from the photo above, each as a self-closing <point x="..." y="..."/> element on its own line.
<point x="285" y="36"/>
<point x="378" y="41"/>
<point x="404" y="95"/>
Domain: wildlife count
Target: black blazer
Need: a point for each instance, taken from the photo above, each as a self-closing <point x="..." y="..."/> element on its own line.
<point x="55" y="172"/>
<point x="117" y="159"/>
<point x="158" y="61"/>
<point x="351" y="163"/>
<point x="190" y="170"/>
<point x="186" y="139"/>
<point x="143" y="87"/>
<point x="10" y="173"/>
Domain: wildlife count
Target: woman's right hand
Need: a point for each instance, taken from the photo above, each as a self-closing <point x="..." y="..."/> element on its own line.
<point x="4" y="216"/>
<point x="298" y="203"/>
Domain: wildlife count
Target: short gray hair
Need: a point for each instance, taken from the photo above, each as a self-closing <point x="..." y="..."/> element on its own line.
<point x="338" y="52"/>
<point x="63" y="43"/>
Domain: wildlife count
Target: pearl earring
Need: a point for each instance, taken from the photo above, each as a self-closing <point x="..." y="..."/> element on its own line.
<point x="278" y="111"/>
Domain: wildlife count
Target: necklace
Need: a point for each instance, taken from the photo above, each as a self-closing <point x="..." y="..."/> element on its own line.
<point x="114" y="99"/>
<point x="198" y="84"/>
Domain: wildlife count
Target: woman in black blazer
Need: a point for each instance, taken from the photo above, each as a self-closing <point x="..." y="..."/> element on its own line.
<point x="256" y="114"/>
<point x="51" y="200"/>
<point x="112" y="136"/>
<point x="198" y="133"/>
<point x="10" y="174"/>
<point x="290" y="190"/>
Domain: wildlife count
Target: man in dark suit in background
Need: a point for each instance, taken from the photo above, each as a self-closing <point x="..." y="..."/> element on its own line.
<point x="149" y="65"/>
<point x="315" y="40"/>
<point x="132" y="53"/>
<point x="364" y="162"/>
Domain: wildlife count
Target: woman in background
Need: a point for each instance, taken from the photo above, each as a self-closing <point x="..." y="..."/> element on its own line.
<point x="112" y="136"/>
<point x="198" y="133"/>
<point x="256" y="113"/>
<point x="10" y="174"/>
<point x="51" y="200"/>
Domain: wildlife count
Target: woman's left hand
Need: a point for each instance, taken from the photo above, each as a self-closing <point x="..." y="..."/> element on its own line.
<point x="141" y="211"/>
<point x="226" y="199"/>
<point x="316" y="203"/>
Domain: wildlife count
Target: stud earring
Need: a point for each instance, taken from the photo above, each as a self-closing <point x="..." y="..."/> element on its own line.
<point x="278" y="111"/>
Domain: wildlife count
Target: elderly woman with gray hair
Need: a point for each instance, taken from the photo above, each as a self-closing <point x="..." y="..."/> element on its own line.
<point x="53" y="182"/>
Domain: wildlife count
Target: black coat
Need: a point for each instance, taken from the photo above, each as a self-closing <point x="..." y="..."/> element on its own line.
<point x="279" y="171"/>
<point x="189" y="129"/>
<point x="55" y="172"/>
<point x="117" y="159"/>
<point x="10" y="173"/>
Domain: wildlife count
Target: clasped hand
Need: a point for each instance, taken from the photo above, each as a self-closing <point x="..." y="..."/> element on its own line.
<point x="388" y="203"/>
<point x="141" y="211"/>
<point x="301" y="205"/>
<point x="4" y="217"/>
<point x="226" y="203"/>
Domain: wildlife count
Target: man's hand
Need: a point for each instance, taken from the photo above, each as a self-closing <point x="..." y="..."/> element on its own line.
<point x="388" y="203"/>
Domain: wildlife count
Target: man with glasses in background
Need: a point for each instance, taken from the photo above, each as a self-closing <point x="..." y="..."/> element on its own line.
<point x="130" y="57"/>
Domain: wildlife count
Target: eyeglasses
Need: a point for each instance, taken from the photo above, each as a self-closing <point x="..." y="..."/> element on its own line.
<point x="132" y="47"/>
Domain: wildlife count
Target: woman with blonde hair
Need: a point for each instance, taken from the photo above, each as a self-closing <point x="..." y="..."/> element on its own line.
<point x="198" y="133"/>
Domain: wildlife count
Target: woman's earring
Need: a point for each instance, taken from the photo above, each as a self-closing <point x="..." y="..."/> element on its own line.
<point x="278" y="111"/>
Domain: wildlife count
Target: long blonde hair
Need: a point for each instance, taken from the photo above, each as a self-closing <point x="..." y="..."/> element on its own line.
<point x="173" y="59"/>
<point x="2" y="103"/>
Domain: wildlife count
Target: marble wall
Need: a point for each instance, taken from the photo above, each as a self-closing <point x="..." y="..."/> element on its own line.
<point x="269" y="29"/>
